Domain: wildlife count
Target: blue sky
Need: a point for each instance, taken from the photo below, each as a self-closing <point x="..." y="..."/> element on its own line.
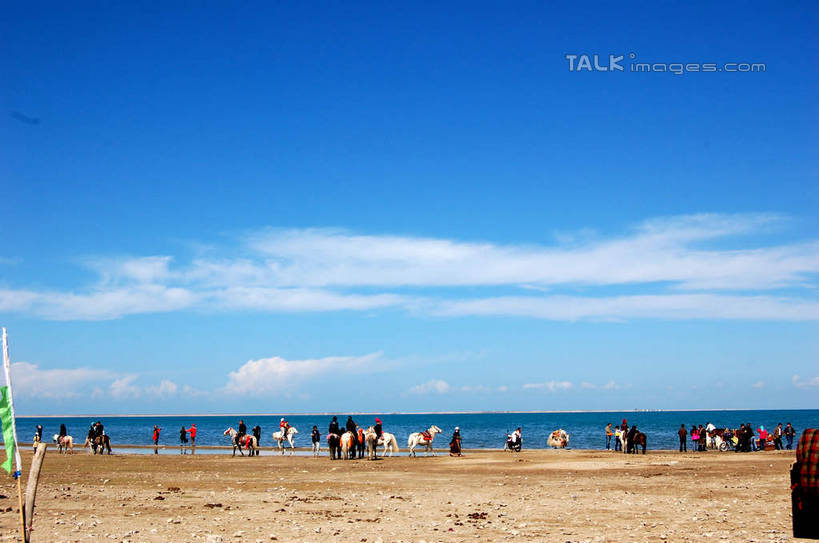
<point x="368" y="207"/>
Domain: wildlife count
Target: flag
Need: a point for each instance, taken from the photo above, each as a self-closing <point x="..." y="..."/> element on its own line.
<point x="7" y="415"/>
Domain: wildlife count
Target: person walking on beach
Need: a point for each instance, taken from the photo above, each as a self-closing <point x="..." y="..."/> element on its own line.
<point x="455" y="442"/>
<point x="618" y="443"/>
<point x="192" y="432"/>
<point x="703" y="438"/>
<point x="695" y="438"/>
<point x="155" y="438"/>
<point x="315" y="437"/>
<point x="790" y="433"/>
<point x="609" y="433"/>
<point x="683" y="433"/>
<point x="183" y="440"/>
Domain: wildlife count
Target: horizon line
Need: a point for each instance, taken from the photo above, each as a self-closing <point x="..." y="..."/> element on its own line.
<point x="359" y="413"/>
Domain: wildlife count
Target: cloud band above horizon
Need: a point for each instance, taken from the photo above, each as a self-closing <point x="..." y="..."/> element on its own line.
<point x="685" y="267"/>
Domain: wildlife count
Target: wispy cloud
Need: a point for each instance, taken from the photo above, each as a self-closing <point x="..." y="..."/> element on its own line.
<point x="433" y="386"/>
<point x="611" y="385"/>
<point x="688" y="267"/>
<point x="666" y="306"/>
<point x="59" y="383"/>
<point x="798" y="382"/>
<point x="32" y="381"/>
<point x="550" y="386"/>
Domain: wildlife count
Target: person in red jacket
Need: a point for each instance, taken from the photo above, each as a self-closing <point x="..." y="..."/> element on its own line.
<point x="192" y="432"/>
<point x="157" y="429"/>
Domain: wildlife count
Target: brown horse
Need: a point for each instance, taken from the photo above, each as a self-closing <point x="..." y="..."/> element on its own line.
<point x="334" y="443"/>
<point x="99" y="443"/>
<point x="639" y="439"/>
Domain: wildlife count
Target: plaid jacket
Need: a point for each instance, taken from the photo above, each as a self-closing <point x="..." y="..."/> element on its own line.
<point x="807" y="455"/>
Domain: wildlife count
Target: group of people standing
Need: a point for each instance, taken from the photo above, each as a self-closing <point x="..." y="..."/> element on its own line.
<point x="183" y="439"/>
<point x="620" y="434"/>
<point x="334" y="433"/>
<point x="741" y="440"/>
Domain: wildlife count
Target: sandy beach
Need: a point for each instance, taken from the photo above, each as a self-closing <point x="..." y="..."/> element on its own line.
<point x="541" y="495"/>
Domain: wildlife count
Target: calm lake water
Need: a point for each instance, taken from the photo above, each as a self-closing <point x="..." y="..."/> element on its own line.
<point x="479" y="430"/>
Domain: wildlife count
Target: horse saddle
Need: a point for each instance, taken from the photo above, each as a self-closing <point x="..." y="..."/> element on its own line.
<point x="426" y="436"/>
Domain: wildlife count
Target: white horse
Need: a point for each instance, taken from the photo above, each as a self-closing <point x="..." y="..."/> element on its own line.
<point x="348" y="442"/>
<point x="65" y="443"/>
<point x="389" y="443"/>
<point x="423" y="438"/>
<point x="559" y="439"/>
<point x="372" y="443"/>
<point x="280" y="438"/>
<point x="248" y="440"/>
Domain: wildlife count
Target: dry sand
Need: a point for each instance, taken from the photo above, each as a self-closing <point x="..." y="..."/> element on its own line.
<point x="484" y="496"/>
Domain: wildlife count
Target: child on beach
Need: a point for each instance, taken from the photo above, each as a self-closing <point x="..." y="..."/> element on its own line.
<point x="316" y="438"/>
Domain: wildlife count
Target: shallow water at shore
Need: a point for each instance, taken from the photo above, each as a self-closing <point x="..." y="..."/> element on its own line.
<point x="479" y="430"/>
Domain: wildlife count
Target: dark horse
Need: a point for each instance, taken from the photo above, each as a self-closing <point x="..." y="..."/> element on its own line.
<point x="101" y="443"/>
<point x="334" y="442"/>
<point x="639" y="439"/>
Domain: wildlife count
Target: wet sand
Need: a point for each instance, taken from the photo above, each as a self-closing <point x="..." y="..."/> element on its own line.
<point x="542" y="495"/>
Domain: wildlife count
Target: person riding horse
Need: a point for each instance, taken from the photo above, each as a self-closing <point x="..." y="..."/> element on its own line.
<point x="241" y="431"/>
<point x="351" y="426"/>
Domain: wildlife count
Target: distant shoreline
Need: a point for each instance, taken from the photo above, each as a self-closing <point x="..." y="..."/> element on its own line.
<point x="361" y="413"/>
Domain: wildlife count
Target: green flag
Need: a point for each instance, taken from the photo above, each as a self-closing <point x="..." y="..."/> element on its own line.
<point x="8" y="431"/>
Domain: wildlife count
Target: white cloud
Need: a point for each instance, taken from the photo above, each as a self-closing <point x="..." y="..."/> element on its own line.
<point x="274" y="374"/>
<point x="299" y="299"/>
<point x="436" y="386"/>
<point x="758" y="384"/>
<point x="668" y="306"/>
<point x="165" y="389"/>
<point x="31" y="381"/>
<point x="663" y="261"/>
<point x="798" y="382"/>
<point x="147" y="269"/>
<point x="98" y="304"/>
<point x="551" y="386"/>
<point x="124" y="388"/>
<point x="659" y="250"/>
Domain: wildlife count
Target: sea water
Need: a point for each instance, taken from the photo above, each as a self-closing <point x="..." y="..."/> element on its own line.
<point x="478" y="430"/>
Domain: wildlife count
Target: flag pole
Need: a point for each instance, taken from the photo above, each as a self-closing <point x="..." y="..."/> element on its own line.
<point x="17" y="460"/>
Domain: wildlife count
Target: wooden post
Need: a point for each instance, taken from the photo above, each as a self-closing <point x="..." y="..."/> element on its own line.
<point x="22" y="511"/>
<point x="31" y="486"/>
